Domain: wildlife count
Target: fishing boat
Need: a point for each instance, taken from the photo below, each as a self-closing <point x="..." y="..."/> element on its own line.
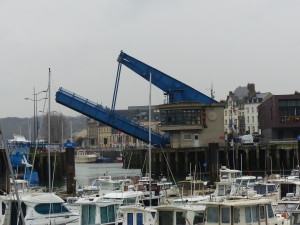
<point x="83" y="156"/>
<point x="183" y="214"/>
<point x="288" y="205"/>
<point x="242" y="212"/>
<point x="239" y="212"/>
<point x="191" y="186"/>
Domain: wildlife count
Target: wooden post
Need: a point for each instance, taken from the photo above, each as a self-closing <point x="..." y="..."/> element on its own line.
<point x="213" y="153"/>
<point x="70" y="169"/>
<point x="4" y="173"/>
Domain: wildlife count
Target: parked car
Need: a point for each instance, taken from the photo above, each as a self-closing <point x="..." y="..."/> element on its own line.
<point x="247" y="139"/>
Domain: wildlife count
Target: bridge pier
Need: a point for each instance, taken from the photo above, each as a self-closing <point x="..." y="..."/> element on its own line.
<point x="255" y="160"/>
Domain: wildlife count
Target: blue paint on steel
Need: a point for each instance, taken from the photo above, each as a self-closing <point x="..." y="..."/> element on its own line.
<point x="19" y="157"/>
<point x="174" y="89"/>
<point x="109" y="117"/>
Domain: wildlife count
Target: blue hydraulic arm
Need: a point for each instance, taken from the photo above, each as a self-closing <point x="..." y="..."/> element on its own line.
<point x="174" y="89"/>
<point x="109" y="117"/>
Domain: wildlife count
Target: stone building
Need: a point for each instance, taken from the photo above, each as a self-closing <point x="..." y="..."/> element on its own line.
<point x="192" y="124"/>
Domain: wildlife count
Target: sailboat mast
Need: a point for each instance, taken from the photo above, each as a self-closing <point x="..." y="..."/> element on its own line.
<point x="12" y="175"/>
<point x="49" y="104"/>
<point x="149" y="145"/>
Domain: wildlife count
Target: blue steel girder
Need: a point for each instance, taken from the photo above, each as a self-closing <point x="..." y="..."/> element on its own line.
<point x="109" y="117"/>
<point x="174" y="89"/>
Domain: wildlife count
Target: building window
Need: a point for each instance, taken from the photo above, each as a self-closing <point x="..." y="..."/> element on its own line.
<point x="289" y="110"/>
<point x="181" y="117"/>
<point x="225" y="112"/>
<point x="252" y="119"/>
<point x="225" y="122"/>
<point x="187" y="136"/>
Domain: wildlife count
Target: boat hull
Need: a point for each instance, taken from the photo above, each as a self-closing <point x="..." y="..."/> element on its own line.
<point x="119" y="159"/>
<point x="86" y="160"/>
<point x="83" y="156"/>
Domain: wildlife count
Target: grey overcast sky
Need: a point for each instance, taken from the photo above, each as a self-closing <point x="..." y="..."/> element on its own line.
<point x="219" y="44"/>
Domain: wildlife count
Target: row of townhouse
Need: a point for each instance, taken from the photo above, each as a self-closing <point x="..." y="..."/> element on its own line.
<point x="102" y="136"/>
<point x="273" y="117"/>
<point x="241" y="111"/>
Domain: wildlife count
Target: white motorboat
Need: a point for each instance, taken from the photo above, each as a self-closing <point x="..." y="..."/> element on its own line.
<point x="167" y="188"/>
<point x="83" y="156"/>
<point x="102" y="185"/>
<point x="38" y="209"/>
<point x="106" y="209"/>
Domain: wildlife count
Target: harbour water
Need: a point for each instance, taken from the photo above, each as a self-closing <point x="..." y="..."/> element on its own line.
<point x="86" y="172"/>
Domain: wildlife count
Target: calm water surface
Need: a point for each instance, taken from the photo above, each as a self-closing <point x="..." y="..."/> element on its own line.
<point x="85" y="172"/>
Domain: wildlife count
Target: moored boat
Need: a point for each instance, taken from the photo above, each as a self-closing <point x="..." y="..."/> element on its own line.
<point x="242" y="212"/>
<point x="102" y="185"/>
<point x="37" y="208"/>
<point x="98" y="211"/>
<point x="119" y="159"/>
<point x="19" y="149"/>
<point x="104" y="160"/>
<point x="83" y="156"/>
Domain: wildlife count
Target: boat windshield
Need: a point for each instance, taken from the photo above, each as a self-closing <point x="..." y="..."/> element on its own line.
<point x="291" y="207"/>
<point x="295" y="173"/>
<point x="110" y="186"/>
<point x="280" y="208"/>
<point x="53" y="208"/>
<point x="223" y="189"/>
<point x="95" y="182"/>
<point x="244" y="182"/>
<point x="199" y="218"/>
<point x="264" y="189"/>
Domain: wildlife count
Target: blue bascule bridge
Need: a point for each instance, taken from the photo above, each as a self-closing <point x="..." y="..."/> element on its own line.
<point x="175" y="91"/>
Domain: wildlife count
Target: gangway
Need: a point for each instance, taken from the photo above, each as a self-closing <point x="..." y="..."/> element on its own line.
<point x="109" y="117"/>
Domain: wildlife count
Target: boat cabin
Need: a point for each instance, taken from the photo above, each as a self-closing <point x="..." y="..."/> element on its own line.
<point x="185" y="215"/>
<point x="239" y="212"/>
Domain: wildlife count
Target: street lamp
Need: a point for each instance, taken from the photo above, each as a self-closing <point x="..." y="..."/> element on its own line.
<point x="35" y="122"/>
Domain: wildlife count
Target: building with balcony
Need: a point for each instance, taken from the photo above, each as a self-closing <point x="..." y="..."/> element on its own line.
<point x="279" y="117"/>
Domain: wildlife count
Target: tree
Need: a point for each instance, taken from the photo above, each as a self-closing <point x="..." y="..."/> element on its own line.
<point x="59" y="128"/>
